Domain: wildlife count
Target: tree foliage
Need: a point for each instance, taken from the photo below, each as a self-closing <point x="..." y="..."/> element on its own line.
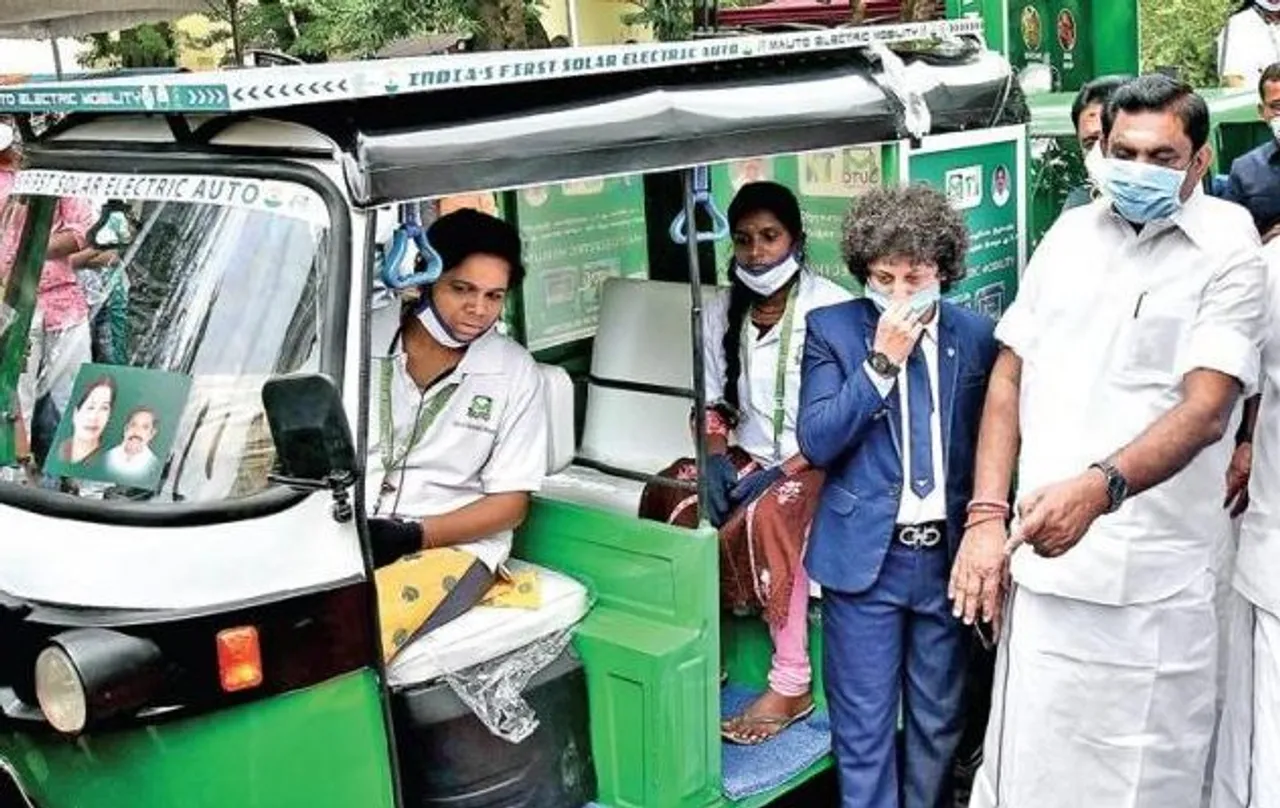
<point x="1183" y="34"/>
<point x="154" y="45"/>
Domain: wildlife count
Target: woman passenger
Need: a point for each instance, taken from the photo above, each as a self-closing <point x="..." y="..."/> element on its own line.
<point x="458" y="435"/>
<point x="762" y="491"/>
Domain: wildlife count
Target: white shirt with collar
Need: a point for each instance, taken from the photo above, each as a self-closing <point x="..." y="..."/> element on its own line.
<point x="913" y="509"/>
<point x="1257" y="574"/>
<point x="758" y="379"/>
<point x="1107" y="322"/>
<point x="1247" y="45"/>
<point x="490" y="438"/>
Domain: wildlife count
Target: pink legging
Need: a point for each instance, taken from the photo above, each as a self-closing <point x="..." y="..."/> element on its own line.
<point x="789" y="672"/>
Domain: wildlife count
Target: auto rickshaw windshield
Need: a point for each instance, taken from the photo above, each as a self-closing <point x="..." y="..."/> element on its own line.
<point x="135" y="371"/>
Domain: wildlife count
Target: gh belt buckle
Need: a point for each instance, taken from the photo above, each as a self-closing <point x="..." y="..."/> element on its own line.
<point x="918" y="536"/>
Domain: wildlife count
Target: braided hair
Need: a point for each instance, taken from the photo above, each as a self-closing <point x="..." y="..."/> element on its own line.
<point x="753" y="198"/>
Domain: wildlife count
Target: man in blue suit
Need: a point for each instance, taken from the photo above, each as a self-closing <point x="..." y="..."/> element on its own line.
<point x="891" y="397"/>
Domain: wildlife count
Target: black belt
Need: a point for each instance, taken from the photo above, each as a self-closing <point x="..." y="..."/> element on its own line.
<point x="921" y="536"/>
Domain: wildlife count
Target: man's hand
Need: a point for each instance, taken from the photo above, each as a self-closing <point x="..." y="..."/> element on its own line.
<point x="1055" y="518"/>
<point x="898" y="332"/>
<point x="978" y="574"/>
<point x="1238" y="479"/>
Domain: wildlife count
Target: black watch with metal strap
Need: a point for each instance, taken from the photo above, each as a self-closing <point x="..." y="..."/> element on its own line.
<point x="1117" y="485"/>
<point x="883" y="365"/>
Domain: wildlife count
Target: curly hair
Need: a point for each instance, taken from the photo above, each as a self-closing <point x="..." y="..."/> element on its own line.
<point x="913" y="222"/>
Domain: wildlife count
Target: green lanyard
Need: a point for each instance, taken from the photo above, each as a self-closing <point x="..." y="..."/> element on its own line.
<point x="780" y="374"/>
<point x="427" y="415"/>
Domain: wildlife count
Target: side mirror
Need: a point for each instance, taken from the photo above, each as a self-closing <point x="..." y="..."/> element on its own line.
<point x="314" y="447"/>
<point x="116" y="226"/>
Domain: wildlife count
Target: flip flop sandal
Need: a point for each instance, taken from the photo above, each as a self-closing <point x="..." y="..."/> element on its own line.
<point x="779" y="721"/>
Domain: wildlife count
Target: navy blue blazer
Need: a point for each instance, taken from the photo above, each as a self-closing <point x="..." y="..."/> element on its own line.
<point x="847" y="429"/>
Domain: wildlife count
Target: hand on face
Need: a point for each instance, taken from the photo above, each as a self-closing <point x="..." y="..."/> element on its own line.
<point x="898" y="332"/>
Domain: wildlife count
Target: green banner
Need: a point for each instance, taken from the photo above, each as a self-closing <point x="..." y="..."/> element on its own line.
<point x="121" y="98"/>
<point x="576" y="235"/>
<point x="984" y="183"/>
<point x="825" y="182"/>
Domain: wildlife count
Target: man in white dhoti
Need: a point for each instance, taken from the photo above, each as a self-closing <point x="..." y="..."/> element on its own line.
<point x="1132" y="338"/>
<point x="1247" y="771"/>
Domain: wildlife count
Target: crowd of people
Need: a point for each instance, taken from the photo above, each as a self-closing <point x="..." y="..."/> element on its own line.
<point x="1052" y="485"/>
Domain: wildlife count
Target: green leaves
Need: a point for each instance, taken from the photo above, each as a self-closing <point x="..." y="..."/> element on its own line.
<point x="1184" y="34"/>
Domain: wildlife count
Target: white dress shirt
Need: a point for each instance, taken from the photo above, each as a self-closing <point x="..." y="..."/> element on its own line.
<point x="913" y="509"/>
<point x="758" y="380"/>
<point x="1247" y="45"/>
<point x="490" y="438"/>
<point x="1107" y="322"/>
<point x="1257" y="574"/>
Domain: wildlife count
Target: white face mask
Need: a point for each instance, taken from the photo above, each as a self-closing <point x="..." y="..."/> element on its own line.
<point x="436" y="327"/>
<point x="7" y="136"/>
<point x="1095" y="164"/>
<point x="768" y="279"/>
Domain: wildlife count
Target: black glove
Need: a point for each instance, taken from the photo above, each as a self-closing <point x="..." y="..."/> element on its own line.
<point x="755" y="484"/>
<point x="392" y="539"/>
<point x="722" y="476"/>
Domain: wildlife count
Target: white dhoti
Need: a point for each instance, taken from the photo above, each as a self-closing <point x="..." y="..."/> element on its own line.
<point x="1100" y="706"/>
<point x="1247" y="774"/>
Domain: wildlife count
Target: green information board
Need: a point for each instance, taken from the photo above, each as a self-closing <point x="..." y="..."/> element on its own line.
<point x="983" y="175"/>
<point x="1079" y="39"/>
<point x="825" y="182"/>
<point x="576" y="235"/>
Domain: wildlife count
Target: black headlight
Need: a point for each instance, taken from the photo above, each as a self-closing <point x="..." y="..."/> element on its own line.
<point x="89" y="675"/>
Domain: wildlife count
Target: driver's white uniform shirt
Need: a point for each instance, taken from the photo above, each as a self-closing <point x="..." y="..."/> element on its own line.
<point x="758" y="380"/>
<point x="489" y="438"/>
<point x="1107" y="322"/>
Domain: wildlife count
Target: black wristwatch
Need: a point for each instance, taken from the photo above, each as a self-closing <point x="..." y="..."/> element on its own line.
<point x="883" y="365"/>
<point x="1117" y="485"/>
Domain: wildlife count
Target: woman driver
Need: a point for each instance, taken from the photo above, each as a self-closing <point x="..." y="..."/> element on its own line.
<point x="458" y="434"/>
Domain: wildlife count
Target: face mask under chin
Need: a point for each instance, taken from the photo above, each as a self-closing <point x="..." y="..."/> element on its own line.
<point x="767" y="280"/>
<point x="438" y="329"/>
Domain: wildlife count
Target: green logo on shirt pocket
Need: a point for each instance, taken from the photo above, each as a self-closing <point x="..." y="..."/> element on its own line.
<point x="481" y="408"/>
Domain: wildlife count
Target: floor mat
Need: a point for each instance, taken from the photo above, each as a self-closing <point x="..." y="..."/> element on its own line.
<point x="751" y="770"/>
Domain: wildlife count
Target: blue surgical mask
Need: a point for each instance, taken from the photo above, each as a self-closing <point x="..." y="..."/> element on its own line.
<point x="1142" y="192"/>
<point x="920" y="301"/>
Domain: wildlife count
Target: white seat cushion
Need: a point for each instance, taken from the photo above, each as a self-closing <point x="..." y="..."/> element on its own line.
<point x="488" y="632"/>
<point x="558" y="389"/>
<point x="587" y="486"/>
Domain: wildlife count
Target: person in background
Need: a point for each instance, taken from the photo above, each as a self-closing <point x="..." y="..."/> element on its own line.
<point x="1086" y="117"/>
<point x="1255" y="176"/>
<point x="59" y="341"/>
<point x="890" y="402"/>
<point x="1249" y="42"/>
<point x="1248" y="751"/>
<point x="762" y="489"/>
<point x="1133" y="335"/>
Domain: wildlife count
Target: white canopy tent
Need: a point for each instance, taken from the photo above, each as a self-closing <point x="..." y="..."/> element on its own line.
<point x="51" y="19"/>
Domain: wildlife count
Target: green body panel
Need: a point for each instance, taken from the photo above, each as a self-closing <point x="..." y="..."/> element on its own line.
<point x="323" y="747"/>
<point x="650" y="647"/>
